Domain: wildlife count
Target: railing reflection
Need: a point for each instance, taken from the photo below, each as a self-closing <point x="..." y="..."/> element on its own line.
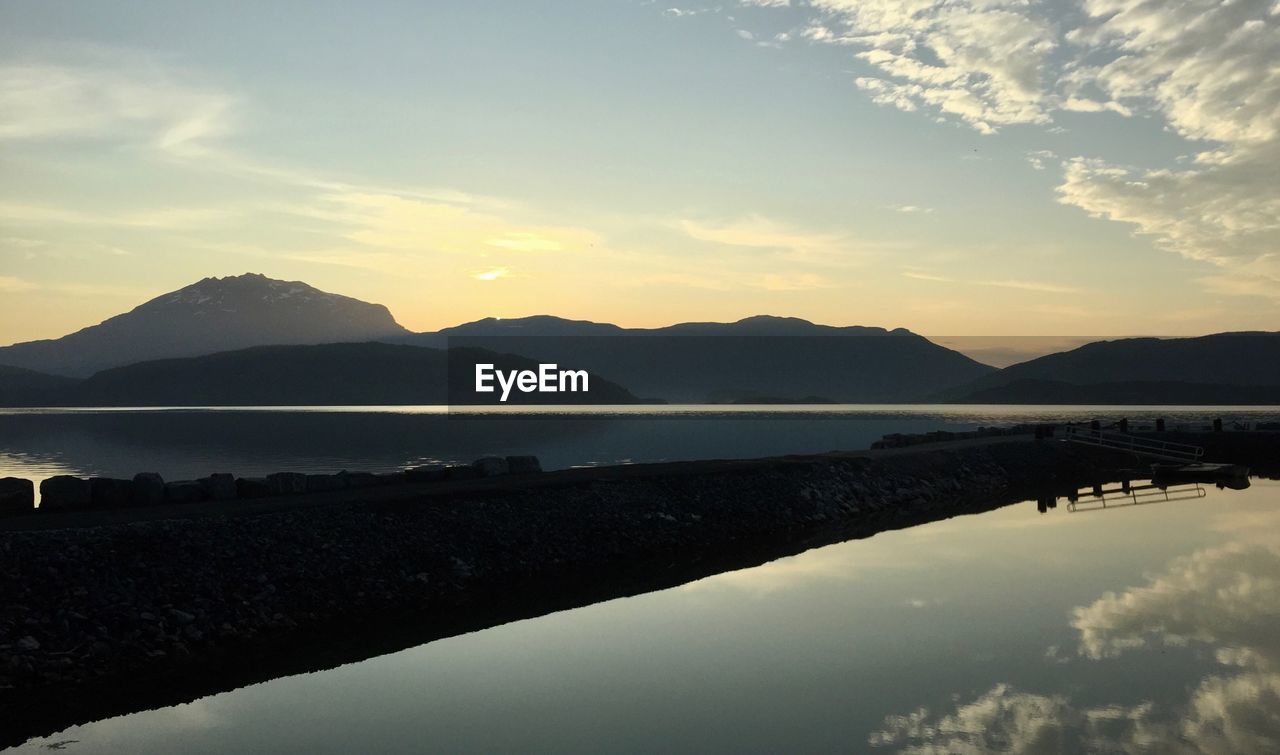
<point x="1122" y="495"/>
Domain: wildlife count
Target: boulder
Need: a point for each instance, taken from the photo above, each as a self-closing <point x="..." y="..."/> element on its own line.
<point x="490" y="466"/>
<point x="219" y="486"/>
<point x="110" y="493"/>
<point x="523" y="464"/>
<point x="320" y="483"/>
<point x="287" y="483"/>
<point x="183" y="491"/>
<point x="65" y="492"/>
<point x="428" y="473"/>
<point x="148" y="489"/>
<point x="252" y="487"/>
<point x="17" y="496"/>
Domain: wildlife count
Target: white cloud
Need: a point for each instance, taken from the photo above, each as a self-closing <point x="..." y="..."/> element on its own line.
<point x="981" y="61"/>
<point x="791" y="243"/>
<point x="109" y="96"/>
<point x="1225" y="209"/>
<point x="493" y="274"/>
<point x="1227" y="597"/>
<point x="1203" y="67"/>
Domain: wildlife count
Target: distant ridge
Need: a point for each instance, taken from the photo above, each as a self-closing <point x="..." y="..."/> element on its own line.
<point x="783" y="358"/>
<point x="1221" y="368"/>
<point x="316" y="375"/>
<point x="211" y="315"/>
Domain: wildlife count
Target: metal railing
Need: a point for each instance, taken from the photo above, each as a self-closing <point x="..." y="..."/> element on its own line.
<point x="1139" y="495"/>
<point x="1157" y="449"/>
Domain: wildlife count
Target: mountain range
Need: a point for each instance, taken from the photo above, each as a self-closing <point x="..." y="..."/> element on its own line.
<point x="251" y="340"/>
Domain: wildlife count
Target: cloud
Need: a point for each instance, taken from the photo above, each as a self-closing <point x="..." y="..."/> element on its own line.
<point x="789" y="242"/>
<point x="926" y="277"/>
<point x="1224" y="210"/>
<point x="980" y="61"/>
<point x="1040" y="158"/>
<point x="392" y="221"/>
<point x="12" y="285"/>
<point x="1021" y="285"/>
<point x="155" y="218"/>
<point x="493" y="274"/>
<point x="1204" y="68"/>
<point x="1227" y="597"/>
<point x="111" y="96"/>
<point x="911" y="209"/>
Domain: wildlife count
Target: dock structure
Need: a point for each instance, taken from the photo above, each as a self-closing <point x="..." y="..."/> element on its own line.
<point x="1151" y="448"/>
<point x="1134" y="495"/>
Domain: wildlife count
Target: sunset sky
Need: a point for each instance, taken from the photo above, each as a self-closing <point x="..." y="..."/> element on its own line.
<point x="979" y="167"/>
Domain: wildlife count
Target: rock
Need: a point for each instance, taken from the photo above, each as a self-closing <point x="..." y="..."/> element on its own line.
<point x="461" y="472"/>
<point x="148" y="489"/>
<point x="391" y="478"/>
<point x="490" y="466"/>
<point x="110" y="493"/>
<point x="180" y="616"/>
<point x="183" y="491"/>
<point x="428" y="473"/>
<point x="319" y="483"/>
<point x="252" y="487"/>
<point x="359" y="479"/>
<point x="17" y="496"/>
<point x="29" y="643"/>
<point x="523" y="464"/>
<point x="287" y="483"/>
<point x="65" y="492"/>
<point x="219" y="487"/>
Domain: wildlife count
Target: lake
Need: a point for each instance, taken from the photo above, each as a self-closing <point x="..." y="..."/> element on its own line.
<point x="186" y="443"/>
<point x="1130" y="628"/>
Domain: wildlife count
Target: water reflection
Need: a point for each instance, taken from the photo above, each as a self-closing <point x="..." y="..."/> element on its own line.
<point x="1221" y="603"/>
<point x="1147" y="629"/>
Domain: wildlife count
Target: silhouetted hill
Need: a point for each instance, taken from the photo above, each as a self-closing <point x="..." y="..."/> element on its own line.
<point x="327" y="374"/>
<point x="784" y="358"/>
<point x="212" y="315"/>
<point x="1221" y="368"/>
<point x="19" y="387"/>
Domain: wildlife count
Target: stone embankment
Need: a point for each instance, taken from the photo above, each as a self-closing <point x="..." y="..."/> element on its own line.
<point x="71" y="493"/>
<point x="102" y="619"/>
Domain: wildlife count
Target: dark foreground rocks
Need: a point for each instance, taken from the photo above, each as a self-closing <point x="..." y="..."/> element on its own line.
<point x="102" y="620"/>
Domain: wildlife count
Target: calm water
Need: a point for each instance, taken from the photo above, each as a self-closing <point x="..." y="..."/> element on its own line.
<point x="189" y="443"/>
<point x="1143" y="628"/>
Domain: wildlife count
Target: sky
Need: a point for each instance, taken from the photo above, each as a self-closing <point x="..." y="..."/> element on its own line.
<point x="956" y="167"/>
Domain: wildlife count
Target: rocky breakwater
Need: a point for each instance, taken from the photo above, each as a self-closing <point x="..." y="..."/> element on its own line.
<point x="70" y="493"/>
<point x="101" y="620"/>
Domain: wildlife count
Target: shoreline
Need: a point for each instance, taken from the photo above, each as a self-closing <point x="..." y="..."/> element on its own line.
<point x="198" y="601"/>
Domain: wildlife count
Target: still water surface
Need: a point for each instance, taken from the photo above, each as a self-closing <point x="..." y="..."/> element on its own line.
<point x="1150" y="628"/>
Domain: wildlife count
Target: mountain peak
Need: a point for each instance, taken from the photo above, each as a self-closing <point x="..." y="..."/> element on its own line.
<point x="212" y="314"/>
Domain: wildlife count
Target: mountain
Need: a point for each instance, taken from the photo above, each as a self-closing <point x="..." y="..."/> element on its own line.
<point x="784" y="358"/>
<point x="327" y="374"/>
<point x="212" y="315"/>
<point x="19" y="387"/>
<point x="1222" y="368"/>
